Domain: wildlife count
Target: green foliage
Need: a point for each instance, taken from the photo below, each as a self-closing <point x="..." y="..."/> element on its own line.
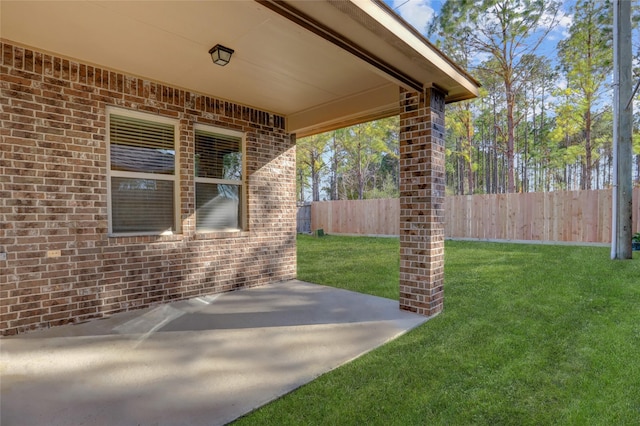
<point x="351" y="162"/>
<point x="587" y="60"/>
<point x="530" y="335"/>
<point x="543" y="128"/>
<point x="497" y="28"/>
<point x="586" y="56"/>
<point x="310" y="162"/>
<point x="388" y="189"/>
<point x="365" y="147"/>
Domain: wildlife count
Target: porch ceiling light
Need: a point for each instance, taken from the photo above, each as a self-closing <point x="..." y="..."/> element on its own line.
<point x="220" y="55"/>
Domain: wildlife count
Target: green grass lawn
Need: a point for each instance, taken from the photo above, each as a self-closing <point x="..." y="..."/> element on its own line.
<point x="530" y="335"/>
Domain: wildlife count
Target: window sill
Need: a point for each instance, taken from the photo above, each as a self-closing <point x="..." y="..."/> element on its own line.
<point x="213" y="235"/>
<point x="146" y="237"/>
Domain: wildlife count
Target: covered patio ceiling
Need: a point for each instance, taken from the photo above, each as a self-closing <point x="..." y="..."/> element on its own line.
<point x="321" y="64"/>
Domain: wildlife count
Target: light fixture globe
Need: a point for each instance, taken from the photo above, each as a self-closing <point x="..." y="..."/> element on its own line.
<point x="220" y="55"/>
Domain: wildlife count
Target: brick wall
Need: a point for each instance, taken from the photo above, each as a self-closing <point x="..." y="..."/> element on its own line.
<point x="53" y="196"/>
<point x="422" y="188"/>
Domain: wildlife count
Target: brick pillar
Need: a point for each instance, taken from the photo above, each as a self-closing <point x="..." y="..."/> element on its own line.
<point x="422" y="188"/>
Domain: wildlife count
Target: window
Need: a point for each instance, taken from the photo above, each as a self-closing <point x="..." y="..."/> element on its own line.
<point x="219" y="180"/>
<point x="142" y="174"/>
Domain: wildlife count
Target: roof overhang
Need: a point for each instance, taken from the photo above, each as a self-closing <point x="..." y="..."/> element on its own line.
<point x="320" y="64"/>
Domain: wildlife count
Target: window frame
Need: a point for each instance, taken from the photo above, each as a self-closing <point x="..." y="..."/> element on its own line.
<point x="243" y="222"/>
<point x="175" y="177"/>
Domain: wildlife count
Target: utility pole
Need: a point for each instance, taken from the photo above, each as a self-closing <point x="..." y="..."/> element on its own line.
<point x="622" y="119"/>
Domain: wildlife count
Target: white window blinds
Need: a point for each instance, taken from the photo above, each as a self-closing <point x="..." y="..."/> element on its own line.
<point x="142" y="156"/>
<point x="219" y="181"/>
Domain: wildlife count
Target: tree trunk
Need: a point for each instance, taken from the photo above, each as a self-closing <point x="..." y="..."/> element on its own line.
<point x="494" y="166"/>
<point x="360" y="174"/>
<point x="587" y="146"/>
<point x="511" y="183"/>
<point x="333" y="180"/>
<point x="459" y="178"/>
<point x="301" y="177"/>
<point x="524" y="150"/>
<point x="469" y="148"/>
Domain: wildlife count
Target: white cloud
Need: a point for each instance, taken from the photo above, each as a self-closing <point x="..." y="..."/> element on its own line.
<point x="561" y="23"/>
<point x="418" y="13"/>
<point x="481" y="57"/>
<point x="565" y="21"/>
<point x="561" y="82"/>
<point x="562" y="19"/>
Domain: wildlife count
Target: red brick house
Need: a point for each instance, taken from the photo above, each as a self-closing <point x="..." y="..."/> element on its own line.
<point x="134" y="171"/>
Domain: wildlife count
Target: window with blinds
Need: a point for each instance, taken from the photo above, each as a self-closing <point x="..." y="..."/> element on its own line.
<point x="219" y="180"/>
<point x="142" y="174"/>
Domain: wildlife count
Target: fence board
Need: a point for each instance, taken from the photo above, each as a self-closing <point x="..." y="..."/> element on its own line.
<point x="636" y="210"/>
<point x="571" y="216"/>
<point x="303" y="219"/>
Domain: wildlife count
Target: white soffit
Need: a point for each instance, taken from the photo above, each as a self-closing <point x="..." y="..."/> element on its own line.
<point x="279" y="65"/>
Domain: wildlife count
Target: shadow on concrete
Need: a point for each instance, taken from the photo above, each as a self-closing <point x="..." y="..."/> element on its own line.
<point x="205" y="361"/>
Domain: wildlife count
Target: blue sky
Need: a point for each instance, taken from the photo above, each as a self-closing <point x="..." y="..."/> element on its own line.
<point x="420" y="13"/>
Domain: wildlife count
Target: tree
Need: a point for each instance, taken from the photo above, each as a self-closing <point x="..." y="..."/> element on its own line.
<point x="336" y="158"/>
<point x="565" y="134"/>
<point x="302" y="177"/>
<point x="364" y="148"/>
<point x="492" y="128"/>
<point x="460" y="131"/>
<point x="636" y="127"/>
<point x="539" y="152"/>
<point x="509" y="31"/>
<point x="636" y="147"/>
<point x="586" y="58"/>
<point x="459" y="123"/>
<point x="310" y="163"/>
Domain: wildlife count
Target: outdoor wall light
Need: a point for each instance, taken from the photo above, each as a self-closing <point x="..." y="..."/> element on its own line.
<point x="220" y="55"/>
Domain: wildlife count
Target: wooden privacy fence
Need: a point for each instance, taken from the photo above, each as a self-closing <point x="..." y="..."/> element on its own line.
<point x="569" y="216"/>
<point x="303" y="219"/>
<point x="357" y="217"/>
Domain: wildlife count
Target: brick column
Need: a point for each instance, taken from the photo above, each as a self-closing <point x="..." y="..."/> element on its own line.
<point x="422" y="189"/>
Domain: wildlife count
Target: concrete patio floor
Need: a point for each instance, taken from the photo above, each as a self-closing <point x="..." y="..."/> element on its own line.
<point x="205" y="361"/>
